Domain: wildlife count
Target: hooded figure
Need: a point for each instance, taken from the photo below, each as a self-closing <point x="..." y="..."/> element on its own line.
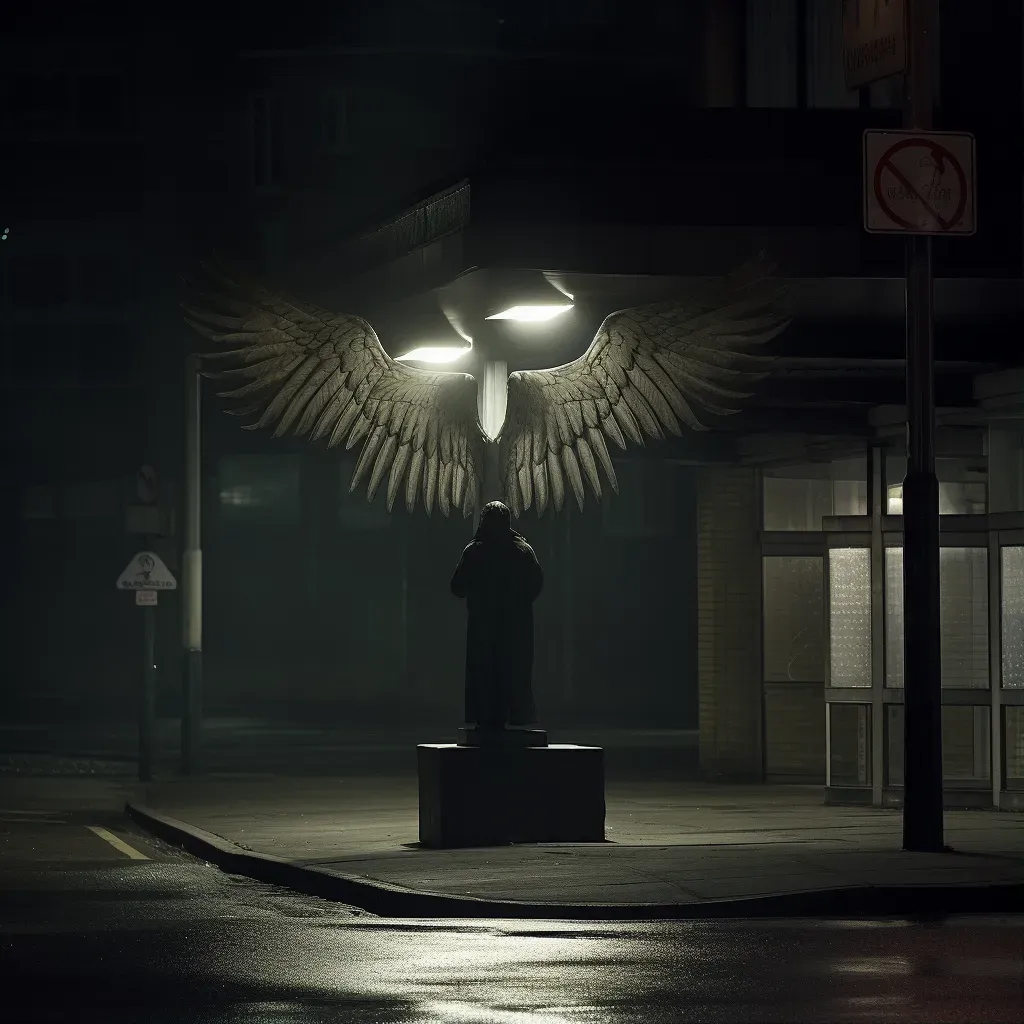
<point x="500" y="578"/>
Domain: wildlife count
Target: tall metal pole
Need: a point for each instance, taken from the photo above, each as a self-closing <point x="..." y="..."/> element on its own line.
<point x="192" y="583"/>
<point x="568" y="608"/>
<point x="922" y="719"/>
<point x="147" y="697"/>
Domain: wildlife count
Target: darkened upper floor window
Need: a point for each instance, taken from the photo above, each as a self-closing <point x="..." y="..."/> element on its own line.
<point x="335" y="124"/>
<point x="267" y="163"/>
<point x="44" y="104"/>
<point x="102" y="105"/>
<point x="38" y="103"/>
<point x="39" y="281"/>
<point x="106" y="281"/>
<point x="40" y="354"/>
<point x="109" y="353"/>
<point x="794" y="58"/>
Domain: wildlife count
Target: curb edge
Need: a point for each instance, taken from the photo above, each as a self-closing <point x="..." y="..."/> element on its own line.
<point x="385" y="899"/>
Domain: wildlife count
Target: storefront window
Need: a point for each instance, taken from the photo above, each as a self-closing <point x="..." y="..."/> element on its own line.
<point x="965" y="744"/>
<point x="963" y="614"/>
<point x="963" y="488"/>
<point x="1006" y="469"/>
<point x="1012" y="572"/>
<point x="794" y="648"/>
<point x="849" y="748"/>
<point x="1013" y="745"/>
<point x="797" y="498"/>
<point x="850" y="616"/>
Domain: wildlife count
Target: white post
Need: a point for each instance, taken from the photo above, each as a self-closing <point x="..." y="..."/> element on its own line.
<point x="192" y="583"/>
<point x="493" y="401"/>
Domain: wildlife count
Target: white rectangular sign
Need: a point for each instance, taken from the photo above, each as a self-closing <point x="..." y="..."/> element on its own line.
<point x="874" y="40"/>
<point x="919" y="183"/>
<point x="146" y="598"/>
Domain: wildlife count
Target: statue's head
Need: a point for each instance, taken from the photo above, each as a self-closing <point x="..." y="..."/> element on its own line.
<point x="495" y="520"/>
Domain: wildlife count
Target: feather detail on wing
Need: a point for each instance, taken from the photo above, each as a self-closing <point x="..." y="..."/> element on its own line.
<point x="314" y="373"/>
<point x="648" y="370"/>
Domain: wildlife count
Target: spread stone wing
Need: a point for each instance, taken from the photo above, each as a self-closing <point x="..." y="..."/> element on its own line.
<point x="311" y="372"/>
<point x="647" y="369"/>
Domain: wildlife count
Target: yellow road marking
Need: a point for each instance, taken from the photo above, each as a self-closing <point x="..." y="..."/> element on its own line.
<point x="118" y="844"/>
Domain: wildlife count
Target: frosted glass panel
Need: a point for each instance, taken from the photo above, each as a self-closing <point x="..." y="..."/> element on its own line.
<point x="894" y="617"/>
<point x="850" y="616"/>
<point x="1012" y="569"/>
<point x="963" y="614"/>
<point x="794" y="647"/>
<point x="963" y="617"/>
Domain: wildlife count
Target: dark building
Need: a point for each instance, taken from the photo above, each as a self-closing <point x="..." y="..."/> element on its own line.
<point x="364" y="161"/>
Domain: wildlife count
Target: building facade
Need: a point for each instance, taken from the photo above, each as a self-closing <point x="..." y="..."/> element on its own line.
<point x="622" y="153"/>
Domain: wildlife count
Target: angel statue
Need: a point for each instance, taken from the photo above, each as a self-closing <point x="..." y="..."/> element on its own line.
<point x="648" y="370"/>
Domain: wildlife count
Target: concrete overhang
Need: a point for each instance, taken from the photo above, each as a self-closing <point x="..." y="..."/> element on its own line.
<point x="890" y="419"/>
<point x="1000" y="395"/>
<point x="404" y="259"/>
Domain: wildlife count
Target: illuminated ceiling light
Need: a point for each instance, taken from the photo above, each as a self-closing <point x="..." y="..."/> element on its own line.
<point x="530" y="314"/>
<point x="523" y="296"/>
<point x="434" y="354"/>
<point x="429" y="337"/>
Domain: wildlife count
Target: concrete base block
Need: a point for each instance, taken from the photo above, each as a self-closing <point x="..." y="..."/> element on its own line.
<point x="492" y="796"/>
<point x="475" y="736"/>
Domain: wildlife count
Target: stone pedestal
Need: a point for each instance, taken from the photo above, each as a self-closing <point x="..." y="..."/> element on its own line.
<point x="475" y="736"/>
<point x="494" y="795"/>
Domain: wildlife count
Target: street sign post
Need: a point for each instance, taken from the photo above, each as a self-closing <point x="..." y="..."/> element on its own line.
<point x="146" y="485"/>
<point x="147" y="575"/>
<point x="192" y="582"/>
<point x="919" y="183"/>
<point x="874" y="40"/>
<point x="923" y="829"/>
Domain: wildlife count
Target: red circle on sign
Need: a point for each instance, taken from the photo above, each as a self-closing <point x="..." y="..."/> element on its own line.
<point x="932" y="147"/>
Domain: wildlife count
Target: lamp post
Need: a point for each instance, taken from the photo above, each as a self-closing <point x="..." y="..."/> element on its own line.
<point x="922" y="694"/>
<point x="192" y="589"/>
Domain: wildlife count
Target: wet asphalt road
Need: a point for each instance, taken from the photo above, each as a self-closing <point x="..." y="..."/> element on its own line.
<point x="90" y="931"/>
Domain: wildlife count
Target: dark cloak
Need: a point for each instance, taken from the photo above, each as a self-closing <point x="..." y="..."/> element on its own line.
<point x="500" y="578"/>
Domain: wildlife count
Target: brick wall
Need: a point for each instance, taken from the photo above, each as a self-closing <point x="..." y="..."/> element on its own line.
<point x="729" y="623"/>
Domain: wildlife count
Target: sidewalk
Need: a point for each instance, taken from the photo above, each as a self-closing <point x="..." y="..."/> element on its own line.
<point x="674" y="849"/>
